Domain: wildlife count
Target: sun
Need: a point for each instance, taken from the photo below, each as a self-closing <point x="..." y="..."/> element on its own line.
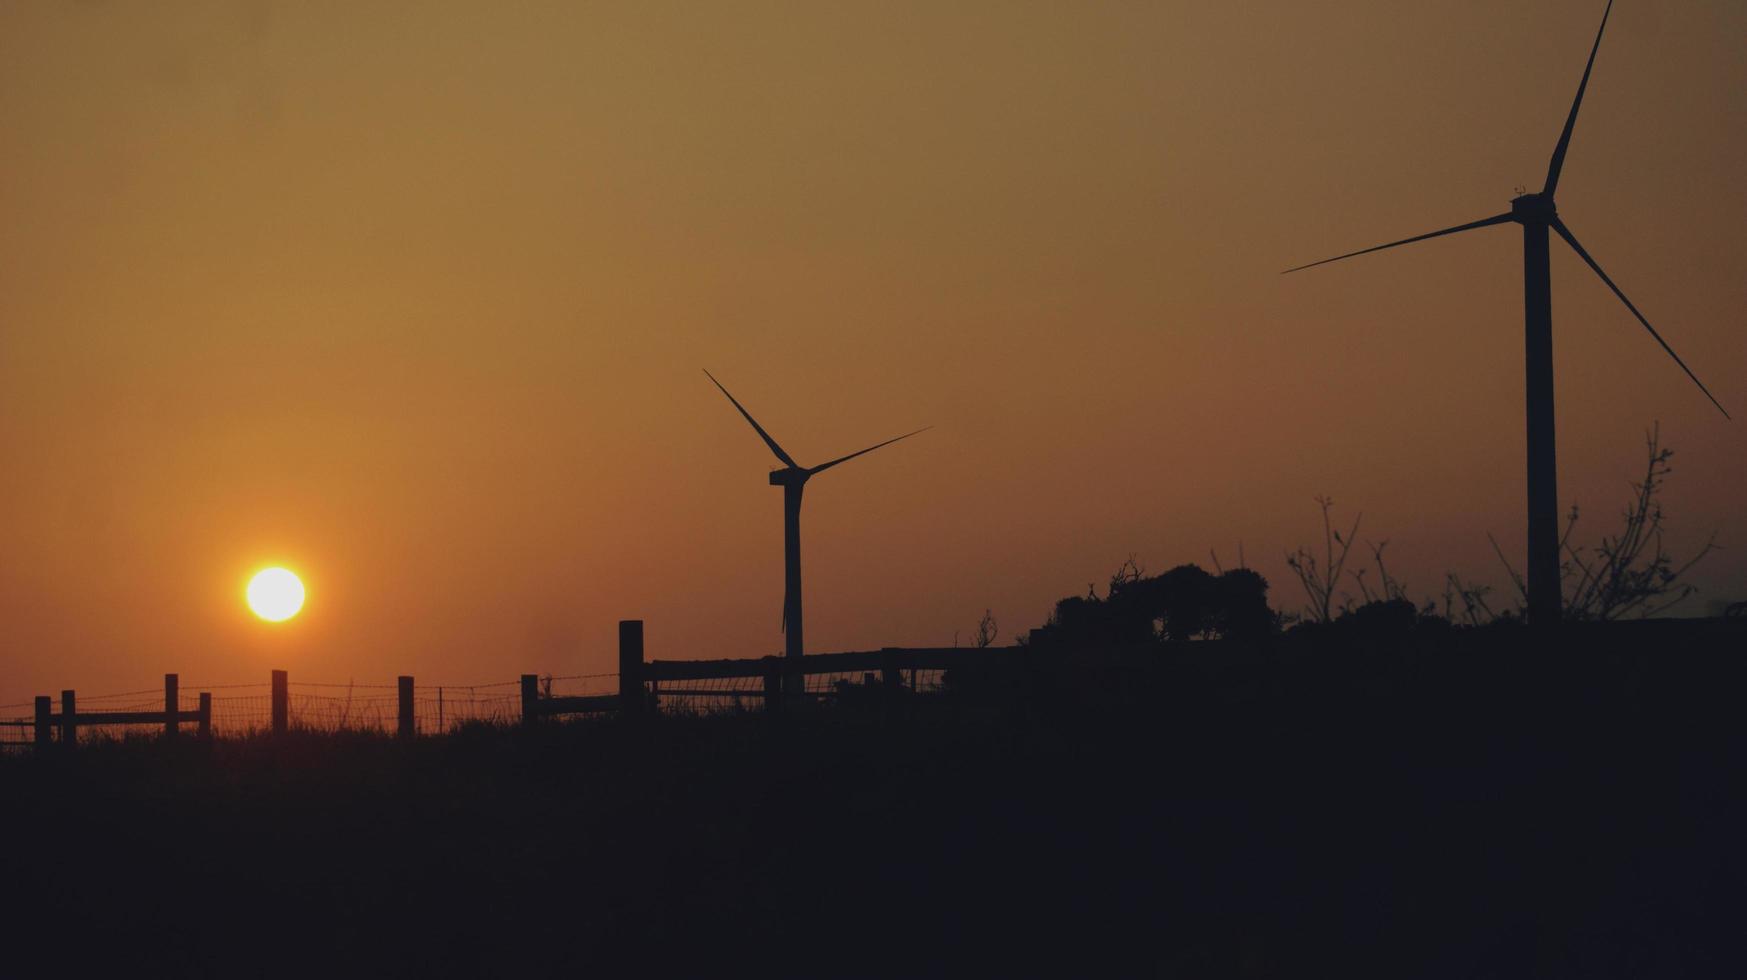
<point x="275" y="594"/>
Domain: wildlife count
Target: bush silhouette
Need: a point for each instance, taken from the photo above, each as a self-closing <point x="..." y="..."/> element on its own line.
<point x="1242" y="603"/>
<point x="1185" y="603"/>
<point x="1386" y="617"/>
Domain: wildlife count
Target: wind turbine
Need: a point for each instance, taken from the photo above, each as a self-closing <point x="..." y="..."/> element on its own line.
<point x="793" y="477"/>
<point x="1537" y="214"/>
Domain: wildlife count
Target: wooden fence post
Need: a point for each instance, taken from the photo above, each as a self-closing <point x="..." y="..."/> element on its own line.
<point x="172" y="704"/>
<point x="281" y="702"/>
<point x="530" y="698"/>
<point x="631" y="696"/>
<point x="407" y="730"/>
<point x="890" y="675"/>
<point x="45" y="707"/>
<point x="773" y="684"/>
<point x="205" y="729"/>
<point x="69" y="720"/>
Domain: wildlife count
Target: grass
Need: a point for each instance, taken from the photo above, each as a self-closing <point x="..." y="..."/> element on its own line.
<point x="1458" y="804"/>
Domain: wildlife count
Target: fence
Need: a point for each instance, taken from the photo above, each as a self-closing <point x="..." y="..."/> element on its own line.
<point x="46" y="726"/>
<point x="770" y="682"/>
<point x="775" y="681"/>
<point x="281" y="705"/>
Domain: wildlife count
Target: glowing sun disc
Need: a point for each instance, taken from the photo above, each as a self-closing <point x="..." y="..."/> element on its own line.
<point x="275" y="594"/>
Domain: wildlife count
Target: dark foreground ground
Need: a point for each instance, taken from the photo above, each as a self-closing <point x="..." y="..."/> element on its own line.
<point x="1481" y="805"/>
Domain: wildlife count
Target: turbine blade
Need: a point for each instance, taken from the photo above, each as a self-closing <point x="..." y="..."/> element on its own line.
<point x="1558" y="163"/>
<point x="761" y="433"/>
<point x="844" y="459"/>
<point x="1497" y="219"/>
<point x="1571" y="240"/>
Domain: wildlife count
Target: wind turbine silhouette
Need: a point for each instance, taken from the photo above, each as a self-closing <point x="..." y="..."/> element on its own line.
<point x="793" y="479"/>
<point x="1537" y="214"/>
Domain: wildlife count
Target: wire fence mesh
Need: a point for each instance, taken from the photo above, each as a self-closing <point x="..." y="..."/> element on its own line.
<point x="17" y="729"/>
<point x="847" y="681"/>
<point x="711" y="695"/>
<point x="746" y="693"/>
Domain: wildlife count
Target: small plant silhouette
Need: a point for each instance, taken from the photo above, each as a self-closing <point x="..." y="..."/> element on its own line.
<point x="987" y="631"/>
<point x="1627" y="574"/>
<point x="1630" y="574"/>
<point x="1321" y="578"/>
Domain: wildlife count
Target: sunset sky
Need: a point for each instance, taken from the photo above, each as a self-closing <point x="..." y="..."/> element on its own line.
<point x="413" y="298"/>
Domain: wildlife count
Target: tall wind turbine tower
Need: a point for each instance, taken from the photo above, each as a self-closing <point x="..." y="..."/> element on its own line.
<point x="1538" y="217"/>
<point x="793" y="477"/>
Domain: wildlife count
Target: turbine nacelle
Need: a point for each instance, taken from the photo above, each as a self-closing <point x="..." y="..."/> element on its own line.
<point x="789" y="476"/>
<point x="1534" y="209"/>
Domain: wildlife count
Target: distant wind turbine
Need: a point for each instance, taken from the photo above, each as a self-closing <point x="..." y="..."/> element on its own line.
<point x="1537" y="215"/>
<point x="793" y="479"/>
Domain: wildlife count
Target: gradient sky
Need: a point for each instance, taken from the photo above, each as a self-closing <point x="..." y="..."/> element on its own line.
<point x="413" y="298"/>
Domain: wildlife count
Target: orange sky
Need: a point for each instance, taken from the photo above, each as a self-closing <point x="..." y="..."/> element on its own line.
<point x="414" y="297"/>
